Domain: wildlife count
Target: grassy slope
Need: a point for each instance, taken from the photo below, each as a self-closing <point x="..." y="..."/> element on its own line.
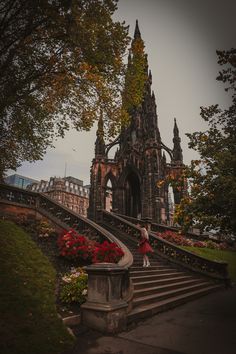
<point x="218" y="255"/>
<point x="28" y="322"/>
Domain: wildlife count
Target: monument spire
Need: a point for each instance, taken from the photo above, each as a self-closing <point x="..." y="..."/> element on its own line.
<point x="100" y="144"/>
<point x="137" y="33"/>
<point x="177" y="151"/>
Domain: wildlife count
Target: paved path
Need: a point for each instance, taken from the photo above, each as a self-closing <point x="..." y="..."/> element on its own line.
<point x="203" y="326"/>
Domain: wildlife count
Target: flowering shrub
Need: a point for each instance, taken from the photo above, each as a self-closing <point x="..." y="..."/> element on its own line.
<point x="223" y="246"/>
<point x="200" y="244"/>
<point x="45" y="230"/>
<point x="211" y="244"/>
<point x="179" y="240"/>
<point x="189" y="242"/>
<point x="74" y="287"/>
<point x="175" y="238"/>
<point x="107" y="252"/>
<point x="75" y="246"/>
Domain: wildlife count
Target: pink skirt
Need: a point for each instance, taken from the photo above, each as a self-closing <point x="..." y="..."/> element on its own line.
<point x="145" y="247"/>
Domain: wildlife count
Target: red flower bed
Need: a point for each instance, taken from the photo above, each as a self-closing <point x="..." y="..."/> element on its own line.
<point x="75" y="246"/>
<point x="180" y="240"/>
<point x="107" y="252"/>
<point x="72" y="245"/>
<point x="175" y="238"/>
<point x="199" y="244"/>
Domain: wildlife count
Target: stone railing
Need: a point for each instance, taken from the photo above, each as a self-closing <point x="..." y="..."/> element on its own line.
<point x="109" y="286"/>
<point x="17" y="196"/>
<point x="61" y="215"/>
<point x="162" y="228"/>
<point x="171" y="252"/>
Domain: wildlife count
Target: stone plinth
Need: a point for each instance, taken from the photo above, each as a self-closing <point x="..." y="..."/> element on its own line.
<point x="105" y="310"/>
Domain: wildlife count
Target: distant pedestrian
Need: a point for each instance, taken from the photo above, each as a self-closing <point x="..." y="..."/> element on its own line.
<point x="144" y="246"/>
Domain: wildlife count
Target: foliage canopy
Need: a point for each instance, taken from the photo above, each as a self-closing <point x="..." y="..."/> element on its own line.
<point x="212" y="201"/>
<point x="61" y="60"/>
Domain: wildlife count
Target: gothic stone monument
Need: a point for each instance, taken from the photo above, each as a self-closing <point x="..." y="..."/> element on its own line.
<point x="131" y="178"/>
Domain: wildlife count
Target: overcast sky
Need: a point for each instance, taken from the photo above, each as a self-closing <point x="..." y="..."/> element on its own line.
<point x="181" y="38"/>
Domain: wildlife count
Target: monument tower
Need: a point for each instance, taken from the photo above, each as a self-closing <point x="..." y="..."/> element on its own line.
<point x="135" y="179"/>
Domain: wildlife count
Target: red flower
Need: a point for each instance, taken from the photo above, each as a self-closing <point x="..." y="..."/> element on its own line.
<point x="72" y="245"/>
<point x="174" y="238"/>
<point x="107" y="252"/>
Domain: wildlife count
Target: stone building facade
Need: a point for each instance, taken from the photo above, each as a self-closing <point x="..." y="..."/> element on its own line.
<point x="68" y="191"/>
<point x="136" y="176"/>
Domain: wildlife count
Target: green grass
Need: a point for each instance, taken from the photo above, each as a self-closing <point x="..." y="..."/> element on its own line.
<point x="29" y="321"/>
<point x="218" y="255"/>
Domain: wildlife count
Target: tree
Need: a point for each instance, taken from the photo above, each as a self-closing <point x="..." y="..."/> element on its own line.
<point x="212" y="200"/>
<point x="60" y="60"/>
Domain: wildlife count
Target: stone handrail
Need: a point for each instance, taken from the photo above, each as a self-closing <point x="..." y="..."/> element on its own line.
<point x="68" y="219"/>
<point x="173" y="253"/>
<point x="154" y="226"/>
<point x="162" y="228"/>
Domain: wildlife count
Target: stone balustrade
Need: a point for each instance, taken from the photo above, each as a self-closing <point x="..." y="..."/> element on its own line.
<point x="171" y="252"/>
<point x="109" y="286"/>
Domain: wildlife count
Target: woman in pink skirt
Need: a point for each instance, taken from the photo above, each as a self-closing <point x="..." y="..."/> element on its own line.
<point x="144" y="246"/>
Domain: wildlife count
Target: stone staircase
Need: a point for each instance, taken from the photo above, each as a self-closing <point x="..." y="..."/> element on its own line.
<point x="161" y="286"/>
<point x="168" y="282"/>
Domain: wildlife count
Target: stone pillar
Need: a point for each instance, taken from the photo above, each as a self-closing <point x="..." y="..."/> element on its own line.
<point x="99" y="216"/>
<point x="105" y="310"/>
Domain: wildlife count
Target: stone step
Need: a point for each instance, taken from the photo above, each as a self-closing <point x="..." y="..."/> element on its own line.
<point x="139" y="262"/>
<point x="153" y="264"/>
<point x="156" y="276"/>
<point x="152" y="267"/>
<point x="157" y="289"/>
<point x="163" y="281"/>
<point x="148" y="271"/>
<point x="161" y="286"/>
<point x="137" y="257"/>
<point x="140" y="301"/>
<point x="166" y="304"/>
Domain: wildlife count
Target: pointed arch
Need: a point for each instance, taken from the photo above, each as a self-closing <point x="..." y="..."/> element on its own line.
<point x="130" y="182"/>
<point x="109" y="187"/>
<point x="128" y="169"/>
<point x="110" y="176"/>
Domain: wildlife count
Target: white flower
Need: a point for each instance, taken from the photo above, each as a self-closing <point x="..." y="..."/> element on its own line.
<point x="67" y="279"/>
<point x="75" y="275"/>
<point x="84" y="292"/>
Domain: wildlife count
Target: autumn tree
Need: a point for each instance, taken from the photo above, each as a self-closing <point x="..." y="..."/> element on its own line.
<point x="61" y="63"/>
<point x="212" y="200"/>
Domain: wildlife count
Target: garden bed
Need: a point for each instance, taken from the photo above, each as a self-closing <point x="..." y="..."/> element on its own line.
<point x="48" y="246"/>
<point x="69" y="253"/>
<point x="29" y="320"/>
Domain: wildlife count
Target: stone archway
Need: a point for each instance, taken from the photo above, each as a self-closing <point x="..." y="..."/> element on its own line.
<point x="109" y="191"/>
<point x="132" y="195"/>
<point x="108" y="196"/>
